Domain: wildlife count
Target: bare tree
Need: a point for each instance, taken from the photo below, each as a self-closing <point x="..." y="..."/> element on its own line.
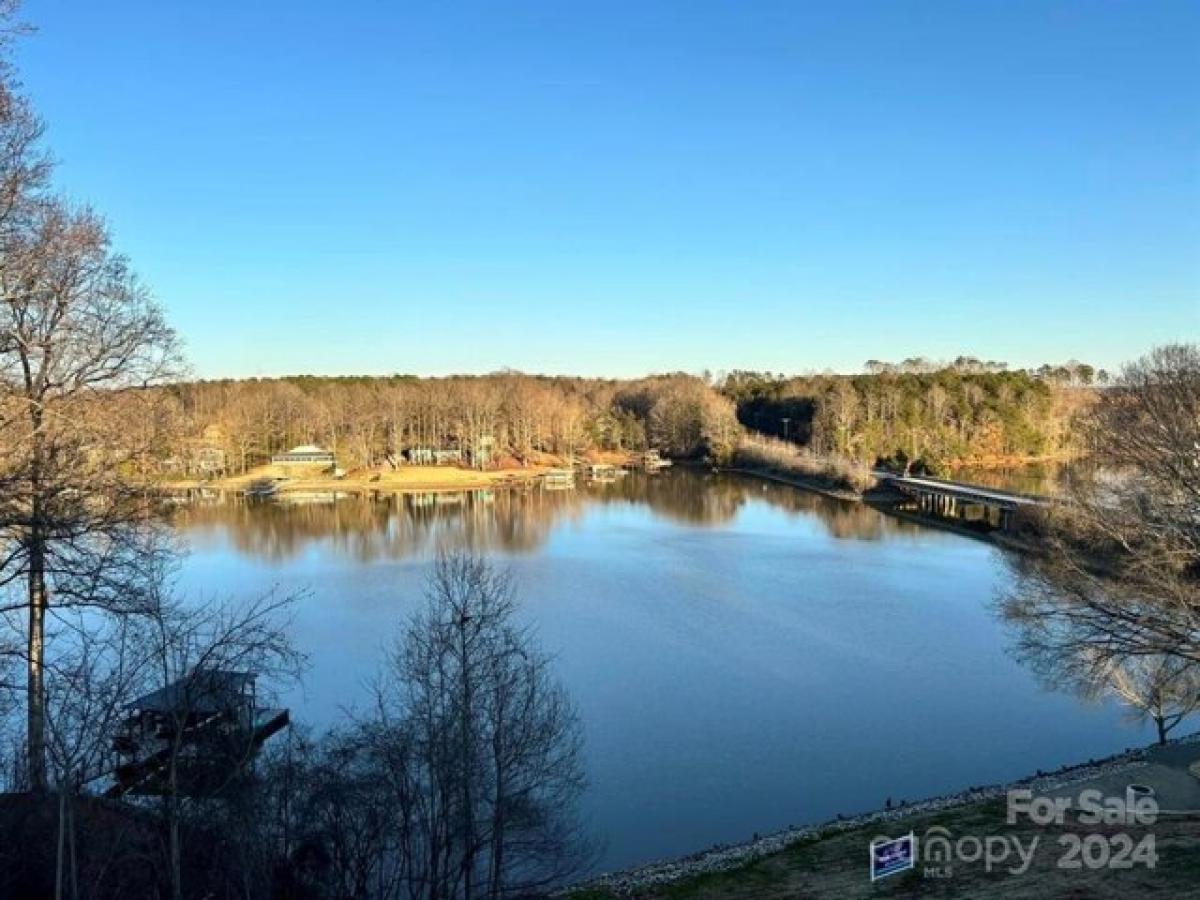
<point x="24" y="166"/>
<point x="1163" y="689"/>
<point x="89" y="681"/>
<point x="1160" y="688"/>
<point x="349" y="814"/>
<point x="203" y="658"/>
<point x="80" y="339"/>
<point x="130" y="711"/>
<point x="464" y="782"/>
<point x="1116" y="577"/>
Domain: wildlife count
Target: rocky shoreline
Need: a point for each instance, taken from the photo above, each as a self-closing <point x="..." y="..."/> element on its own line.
<point x="722" y="858"/>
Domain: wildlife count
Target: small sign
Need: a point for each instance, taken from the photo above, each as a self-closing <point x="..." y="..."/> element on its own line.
<point x="892" y="855"/>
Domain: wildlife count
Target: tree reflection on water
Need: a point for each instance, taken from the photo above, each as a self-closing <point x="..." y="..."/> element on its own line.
<point x="509" y="520"/>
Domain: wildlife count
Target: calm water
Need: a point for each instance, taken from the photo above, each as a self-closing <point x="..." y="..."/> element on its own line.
<point x="1048" y="479"/>
<point x="744" y="656"/>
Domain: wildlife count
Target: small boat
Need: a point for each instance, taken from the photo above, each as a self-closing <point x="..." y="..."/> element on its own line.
<point x="652" y="462"/>
<point x="261" y="490"/>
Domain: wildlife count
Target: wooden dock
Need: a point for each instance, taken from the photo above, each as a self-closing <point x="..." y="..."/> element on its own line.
<point x="558" y="479"/>
<point x="207" y="724"/>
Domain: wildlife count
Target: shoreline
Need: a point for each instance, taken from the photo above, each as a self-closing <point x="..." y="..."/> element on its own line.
<point x="422" y="479"/>
<point x="468" y="481"/>
<point x="724" y="858"/>
<point x="402" y="479"/>
<point x="813" y="485"/>
<point x="882" y="499"/>
<point x="405" y="480"/>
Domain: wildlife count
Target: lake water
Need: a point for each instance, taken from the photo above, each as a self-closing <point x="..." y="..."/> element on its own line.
<point x="1047" y="479"/>
<point x="744" y="656"/>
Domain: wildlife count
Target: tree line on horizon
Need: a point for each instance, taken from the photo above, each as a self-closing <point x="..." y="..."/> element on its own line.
<point x="904" y="413"/>
<point x="507" y="419"/>
<point x="917" y="412"/>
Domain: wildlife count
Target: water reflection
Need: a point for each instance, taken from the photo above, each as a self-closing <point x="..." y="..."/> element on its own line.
<point x="510" y="520"/>
<point x="1046" y="478"/>
<point x="727" y="640"/>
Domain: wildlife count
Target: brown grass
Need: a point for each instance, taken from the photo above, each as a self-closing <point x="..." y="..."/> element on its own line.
<point x="786" y="460"/>
<point x="836" y="866"/>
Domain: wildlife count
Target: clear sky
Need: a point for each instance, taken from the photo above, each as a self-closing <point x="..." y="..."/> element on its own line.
<point x="623" y="187"/>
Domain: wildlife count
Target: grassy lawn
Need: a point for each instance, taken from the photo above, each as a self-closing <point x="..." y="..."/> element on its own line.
<point x="837" y="866"/>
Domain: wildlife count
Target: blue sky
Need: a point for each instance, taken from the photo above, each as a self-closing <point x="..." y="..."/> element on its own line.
<point x="618" y="188"/>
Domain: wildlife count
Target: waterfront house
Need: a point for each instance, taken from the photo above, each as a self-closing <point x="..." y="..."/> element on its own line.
<point x="306" y="455"/>
<point x="196" y="457"/>
<point x="433" y="456"/>
<point x="209" y="460"/>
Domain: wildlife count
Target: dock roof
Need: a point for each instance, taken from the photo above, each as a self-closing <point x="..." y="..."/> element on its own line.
<point x="208" y="690"/>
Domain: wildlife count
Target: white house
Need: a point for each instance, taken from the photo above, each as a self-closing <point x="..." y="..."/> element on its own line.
<point x="306" y="455"/>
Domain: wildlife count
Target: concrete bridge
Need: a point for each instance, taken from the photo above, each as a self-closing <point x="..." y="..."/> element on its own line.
<point x="969" y="504"/>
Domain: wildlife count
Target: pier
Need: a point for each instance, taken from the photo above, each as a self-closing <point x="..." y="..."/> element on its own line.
<point x="968" y="504"/>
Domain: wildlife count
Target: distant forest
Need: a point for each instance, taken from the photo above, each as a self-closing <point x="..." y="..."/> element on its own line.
<point x="915" y="410"/>
<point x="504" y="419"/>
